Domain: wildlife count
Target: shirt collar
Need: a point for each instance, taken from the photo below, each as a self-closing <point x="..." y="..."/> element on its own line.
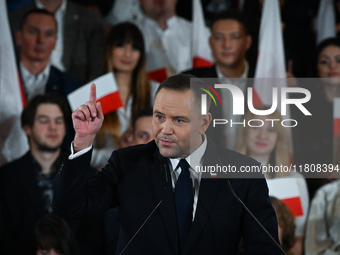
<point x="25" y="73"/>
<point x="243" y="75"/>
<point x="195" y="158"/>
<point x="172" y="20"/>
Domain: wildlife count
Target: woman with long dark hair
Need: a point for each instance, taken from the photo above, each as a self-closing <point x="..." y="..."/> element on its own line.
<point x="125" y="57"/>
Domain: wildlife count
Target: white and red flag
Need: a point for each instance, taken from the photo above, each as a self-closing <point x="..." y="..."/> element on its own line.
<point x="156" y="64"/>
<point x="336" y="116"/>
<point x="201" y="52"/>
<point x="107" y="94"/>
<point x="271" y="59"/>
<point x="287" y="190"/>
<point x="13" y="140"/>
<point x="325" y="21"/>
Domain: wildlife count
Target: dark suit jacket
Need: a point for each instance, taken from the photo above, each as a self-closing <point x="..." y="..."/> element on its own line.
<point x="21" y="203"/>
<point x="133" y="180"/>
<point x="84" y="39"/>
<point x="62" y="84"/>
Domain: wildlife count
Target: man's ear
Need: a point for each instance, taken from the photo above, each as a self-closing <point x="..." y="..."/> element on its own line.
<point x="27" y="130"/>
<point x="18" y="37"/>
<point x="206" y="119"/>
<point x="55" y="42"/>
<point x="249" y="41"/>
<point x="210" y="41"/>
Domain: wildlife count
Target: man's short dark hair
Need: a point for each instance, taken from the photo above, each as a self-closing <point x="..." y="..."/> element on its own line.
<point x="35" y="11"/>
<point x="181" y="83"/>
<point x="234" y="15"/>
<point x="146" y="112"/>
<point x="30" y="110"/>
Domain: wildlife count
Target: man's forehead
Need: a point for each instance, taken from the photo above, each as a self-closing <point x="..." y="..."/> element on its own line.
<point x="48" y="109"/>
<point x="227" y="25"/>
<point x="176" y="103"/>
<point x="166" y="93"/>
<point x="38" y="19"/>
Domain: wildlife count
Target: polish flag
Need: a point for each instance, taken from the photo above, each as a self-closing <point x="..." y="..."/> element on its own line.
<point x="201" y="52"/>
<point x="13" y="140"/>
<point x="286" y="189"/>
<point x="336" y="116"/>
<point x="156" y="65"/>
<point x="107" y="94"/>
<point x="271" y="59"/>
<point x="325" y="21"/>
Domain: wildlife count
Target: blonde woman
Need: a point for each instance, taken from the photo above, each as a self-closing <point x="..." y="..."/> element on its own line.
<point x="268" y="144"/>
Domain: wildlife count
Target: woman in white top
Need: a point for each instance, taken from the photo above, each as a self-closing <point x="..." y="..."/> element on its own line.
<point x="125" y="57"/>
<point x="268" y="144"/>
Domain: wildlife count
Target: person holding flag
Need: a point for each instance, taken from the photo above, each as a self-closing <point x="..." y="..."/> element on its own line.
<point x="125" y="57"/>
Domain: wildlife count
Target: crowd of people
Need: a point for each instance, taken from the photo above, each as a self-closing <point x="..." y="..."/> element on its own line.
<point x="62" y="44"/>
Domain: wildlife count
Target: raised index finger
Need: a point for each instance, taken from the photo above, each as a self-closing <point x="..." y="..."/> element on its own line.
<point x="93" y="94"/>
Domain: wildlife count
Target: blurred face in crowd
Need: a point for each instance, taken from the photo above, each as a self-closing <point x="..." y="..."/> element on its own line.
<point x="177" y="132"/>
<point x="125" y="58"/>
<point x="229" y="42"/>
<point x="49" y="252"/>
<point x="143" y="132"/>
<point x="261" y="141"/>
<point x="156" y="9"/>
<point x="48" y="130"/>
<point x="37" y="38"/>
<point x="328" y="64"/>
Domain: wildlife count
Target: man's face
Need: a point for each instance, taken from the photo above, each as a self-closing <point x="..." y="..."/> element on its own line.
<point x="143" y="132"/>
<point x="37" y="38"/>
<point x="229" y="42"/>
<point x="177" y="132"/>
<point x="158" y="8"/>
<point x="48" y="130"/>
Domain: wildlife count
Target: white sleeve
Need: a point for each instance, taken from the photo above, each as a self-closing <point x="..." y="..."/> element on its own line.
<point x="79" y="153"/>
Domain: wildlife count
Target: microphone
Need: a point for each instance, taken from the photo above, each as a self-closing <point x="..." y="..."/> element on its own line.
<point x="165" y="182"/>
<point x="250" y="213"/>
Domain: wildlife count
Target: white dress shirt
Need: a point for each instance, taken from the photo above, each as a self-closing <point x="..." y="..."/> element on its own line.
<point x="227" y="102"/>
<point x="195" y="175"/>
<point x="34" y="84"/>
<point x="57" y="53"/>
<point x="172" y="46"/>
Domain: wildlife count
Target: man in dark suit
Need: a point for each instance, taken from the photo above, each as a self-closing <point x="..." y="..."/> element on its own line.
<point x="37" y="37"/>
<point x="229" y="42"/>
<point x="191" y="216"/>
<point x="81" y="37"/>
<point x="26" y="183"/>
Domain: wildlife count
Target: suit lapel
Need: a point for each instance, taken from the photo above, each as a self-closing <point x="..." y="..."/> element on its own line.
<point x="167" y="207"/>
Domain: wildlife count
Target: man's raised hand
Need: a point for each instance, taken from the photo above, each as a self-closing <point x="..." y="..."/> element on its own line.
<point x="87" y="120"/>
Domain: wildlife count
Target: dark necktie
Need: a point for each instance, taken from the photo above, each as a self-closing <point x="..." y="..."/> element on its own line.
<point x="184" y="201"/>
